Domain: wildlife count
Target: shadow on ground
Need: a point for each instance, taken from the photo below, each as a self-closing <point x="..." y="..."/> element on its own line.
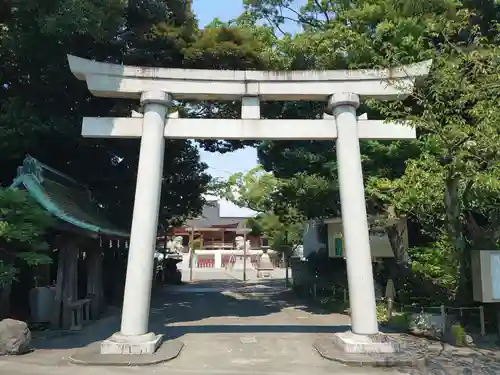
<point x="205" y="307"/>
<point x="180" y="310"/>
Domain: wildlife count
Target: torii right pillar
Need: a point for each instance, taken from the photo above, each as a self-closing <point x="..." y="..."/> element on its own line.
<point x="354" y="219"/>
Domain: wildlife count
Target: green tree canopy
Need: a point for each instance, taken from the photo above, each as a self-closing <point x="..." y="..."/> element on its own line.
<point x="276" y="218"/>
<point x="23" y="226"/>
<point x="42" y="104"/>
<point x="445" y="179"/>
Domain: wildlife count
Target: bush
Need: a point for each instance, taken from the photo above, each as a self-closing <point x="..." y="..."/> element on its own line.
<point x="436" y="263"/>
<point x="458" y="335"/>
<point x="196" y="244"/>
<point x="400" y="321"/>
<point x="334" y="305"/>
<point x="382" y="313"/>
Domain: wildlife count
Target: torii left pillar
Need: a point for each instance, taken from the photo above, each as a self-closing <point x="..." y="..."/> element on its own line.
<point x="134" y="336"/>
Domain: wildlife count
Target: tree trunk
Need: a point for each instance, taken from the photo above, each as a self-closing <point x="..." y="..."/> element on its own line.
<point x="455" y="235"/>
<point x="8" y="260"/>
<point x="398" y="269"/>
<point x="5" y="301"/>
<point x="395" y="234"/>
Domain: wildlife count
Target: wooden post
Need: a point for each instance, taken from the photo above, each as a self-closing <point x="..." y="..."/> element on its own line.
<point x="191" y="239"/>
<point x="94" y="280"/>
<point x="443" y="317"/>
<point x="389" y="308"/>
<point x="497" y="307"/>
<point x="154" y="283"/>
<point x="66" y="284"/>
<point x="163" y="268"/>
<point x="287" y="265"/>
<point x="481" y="321"/>
<point x="287" y="248"/>
<point x="390" y="294"/>
<point x="244" y="254"/>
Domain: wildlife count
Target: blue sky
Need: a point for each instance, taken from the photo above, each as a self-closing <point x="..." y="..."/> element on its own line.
<point x="223" y="165"/>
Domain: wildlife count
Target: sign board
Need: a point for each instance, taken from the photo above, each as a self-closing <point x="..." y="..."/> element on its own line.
<point x="339" y="247"/>
<point x="485" y="266"/>
<point x="379" y="243"/>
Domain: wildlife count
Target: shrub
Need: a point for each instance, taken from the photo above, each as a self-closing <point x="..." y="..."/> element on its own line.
<point x="400" y="321"/>
<point x="458" y="334"/>
<point x="334" y="305"/>
<point x="381" y="313"/>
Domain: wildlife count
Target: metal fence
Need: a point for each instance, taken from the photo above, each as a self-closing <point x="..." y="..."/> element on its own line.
<point x="472" y="318"/>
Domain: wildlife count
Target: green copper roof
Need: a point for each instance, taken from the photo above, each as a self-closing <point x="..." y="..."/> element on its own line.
<point x="64" y="198"/>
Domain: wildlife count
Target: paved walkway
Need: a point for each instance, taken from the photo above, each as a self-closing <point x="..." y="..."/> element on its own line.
<point x="228" y="327"/>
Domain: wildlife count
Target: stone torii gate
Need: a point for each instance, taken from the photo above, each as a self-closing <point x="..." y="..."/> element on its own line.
<point x="155" y="88"/>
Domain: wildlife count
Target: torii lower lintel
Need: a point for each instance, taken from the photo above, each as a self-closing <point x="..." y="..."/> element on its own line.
<point x="243" y="129"/>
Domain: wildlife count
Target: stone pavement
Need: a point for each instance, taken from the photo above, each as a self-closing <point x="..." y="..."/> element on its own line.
<point x="230" y="327"/>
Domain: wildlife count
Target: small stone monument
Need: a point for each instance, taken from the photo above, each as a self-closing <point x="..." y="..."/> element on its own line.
<point x="265" y="266"/>
<point x="390" y="290"/>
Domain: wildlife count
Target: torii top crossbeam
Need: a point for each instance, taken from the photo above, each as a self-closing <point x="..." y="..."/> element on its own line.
<point x="113" y="80"/>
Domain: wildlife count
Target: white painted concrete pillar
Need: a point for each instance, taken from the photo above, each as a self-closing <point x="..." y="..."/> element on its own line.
<point x="217" y="259"/>
<point x="137" y="297"/>
<point x="354" y="219"/>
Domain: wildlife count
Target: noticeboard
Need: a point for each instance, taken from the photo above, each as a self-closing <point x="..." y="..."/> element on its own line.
<point x="485" y="266"/>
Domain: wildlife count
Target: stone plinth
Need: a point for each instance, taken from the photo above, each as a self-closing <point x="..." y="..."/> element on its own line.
<point x="264" y="273"/>
<point x="350" y="342"/>
<point x="265" y="267"/>
<point x="91" y="356"/>
<point x="368" y="350"/>
<point x="127" y="345"/>
<point x="239" y="264"/>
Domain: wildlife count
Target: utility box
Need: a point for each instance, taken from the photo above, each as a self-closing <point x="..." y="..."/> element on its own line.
<point x="42" y="304"/>
<point x="485" y="267"/>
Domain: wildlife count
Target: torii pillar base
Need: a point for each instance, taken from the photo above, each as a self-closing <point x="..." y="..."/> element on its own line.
<point x="121" y="344"/>
<point x="144" y="353"/>
<point x="377" y="350"/>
